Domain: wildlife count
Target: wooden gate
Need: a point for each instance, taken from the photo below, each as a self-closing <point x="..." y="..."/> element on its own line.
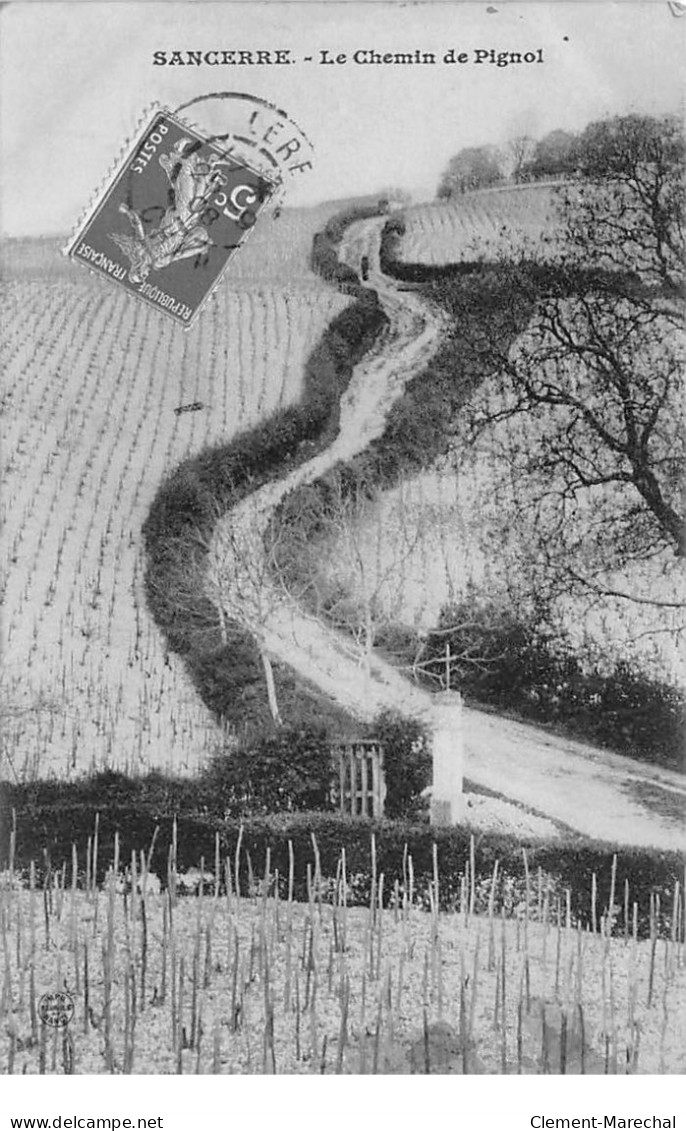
<point x="361" y="783"/>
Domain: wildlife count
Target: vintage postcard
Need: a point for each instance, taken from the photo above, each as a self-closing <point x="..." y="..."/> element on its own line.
<point x="343" y="699"/>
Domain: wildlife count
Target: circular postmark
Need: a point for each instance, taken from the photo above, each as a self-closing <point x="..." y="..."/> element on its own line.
<point x="256" y="131"/>
<point x="56" y="1009"/>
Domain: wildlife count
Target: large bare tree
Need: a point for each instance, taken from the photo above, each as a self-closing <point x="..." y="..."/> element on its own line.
<point x="625" y="210"/>
<point x="587" y="411"/>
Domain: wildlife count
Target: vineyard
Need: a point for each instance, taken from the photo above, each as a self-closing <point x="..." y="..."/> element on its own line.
<point x="480" y="226"/>
<point x="92" y="382"/>
<point x="437" y="537"/>
<point x="465" y="973"/>
<point x="223" y="973"/>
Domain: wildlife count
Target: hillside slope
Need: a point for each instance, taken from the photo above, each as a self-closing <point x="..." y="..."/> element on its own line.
<point x="93" y="380"/>
<point x="482" y="226"/>
<point x="585" y="788"/>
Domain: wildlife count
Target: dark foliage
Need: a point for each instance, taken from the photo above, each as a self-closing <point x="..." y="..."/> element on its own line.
<point x="472" y="168"/>
<point x="46" y="832"/>
<point x="555" y="156"/>
<point x="503" y="660"/>
<point x="407" y="761"/>
<point x="288" y="770"/>
<point x="629" y="145"/>
<point x="392" y="232"/>
<point x="179" y="525"/>
<point x="325" y="245"/>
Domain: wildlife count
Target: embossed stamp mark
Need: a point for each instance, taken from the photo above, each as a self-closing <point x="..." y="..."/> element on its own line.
<point x="169" y="222"/>
<point x="56" y="1009"/>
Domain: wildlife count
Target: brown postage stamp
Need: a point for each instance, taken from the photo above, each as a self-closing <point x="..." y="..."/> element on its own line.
<point x="177" y="210"/>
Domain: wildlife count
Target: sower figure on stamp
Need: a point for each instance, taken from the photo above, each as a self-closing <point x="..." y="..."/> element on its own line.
<point x="181" y="233"/>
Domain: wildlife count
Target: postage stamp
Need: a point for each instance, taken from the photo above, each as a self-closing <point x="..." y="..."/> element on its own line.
<point x="177" y="210"/>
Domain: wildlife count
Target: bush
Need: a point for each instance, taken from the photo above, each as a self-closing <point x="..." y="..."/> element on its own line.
<point x="154" y="791"/>
<point x="324" y="259"/>
<point x="535" y="676"/>
<point x="46" y="833"/>
<point x="391" y="235"/>
<point x="285" y="771"/>
<point x="420" y="426"/>
<point x="523" y="667"/>
<point x="407" y="761"/>
<point x="228" y="676"/>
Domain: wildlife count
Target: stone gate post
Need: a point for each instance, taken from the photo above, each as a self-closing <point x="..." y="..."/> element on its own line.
<point x="447" y="801"/>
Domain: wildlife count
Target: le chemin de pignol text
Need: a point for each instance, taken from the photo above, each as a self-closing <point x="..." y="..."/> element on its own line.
<point x="363" y="57"/>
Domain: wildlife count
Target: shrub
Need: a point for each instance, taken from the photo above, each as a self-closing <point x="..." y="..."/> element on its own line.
<point x="46" y="833"/>
<point x="393" y="230"/>
<point x="228" y="676"/>
<point x="407" y="761"/>
<point x="555" y="155"/>
<point x="324" y="259"/>
<point x="285" y="771"/>
<point x="154" y="791"/>
<point x="523" y="667"/>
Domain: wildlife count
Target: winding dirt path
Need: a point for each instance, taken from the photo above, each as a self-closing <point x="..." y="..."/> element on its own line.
<point x="595" y="792"/>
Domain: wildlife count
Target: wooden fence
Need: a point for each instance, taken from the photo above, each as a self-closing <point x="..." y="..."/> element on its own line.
<point x="361" y="783"/>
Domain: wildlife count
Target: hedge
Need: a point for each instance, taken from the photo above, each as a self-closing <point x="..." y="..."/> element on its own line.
<point x="46" y="832"/>
<point x="184" y="511"/>
<point x="523" y="671"/>
<point x="324" y="259"/>
<point x="491" y="303"/>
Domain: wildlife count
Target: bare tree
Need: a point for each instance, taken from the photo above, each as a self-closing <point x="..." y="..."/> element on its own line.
<point x="520" y="151"/>
<point x="328" y="559"/>
<point x="586" y="419"/>
<point x="626" y="210"/>
<point x="599" y="381"/>
<point x="239" y="581"/>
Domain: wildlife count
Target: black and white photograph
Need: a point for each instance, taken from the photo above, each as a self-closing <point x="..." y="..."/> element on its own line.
<point x="343" y="693"/>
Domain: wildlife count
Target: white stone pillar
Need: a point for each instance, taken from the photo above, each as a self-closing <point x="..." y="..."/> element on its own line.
<point x="447" y="800"/>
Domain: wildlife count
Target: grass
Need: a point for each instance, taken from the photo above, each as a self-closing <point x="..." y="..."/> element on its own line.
<point x="210" y="973"/>
<point x="666" y="803"/>
<point x="566" y="830"/>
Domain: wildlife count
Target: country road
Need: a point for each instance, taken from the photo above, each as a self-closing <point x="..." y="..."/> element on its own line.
<point x="596" y="793"/>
